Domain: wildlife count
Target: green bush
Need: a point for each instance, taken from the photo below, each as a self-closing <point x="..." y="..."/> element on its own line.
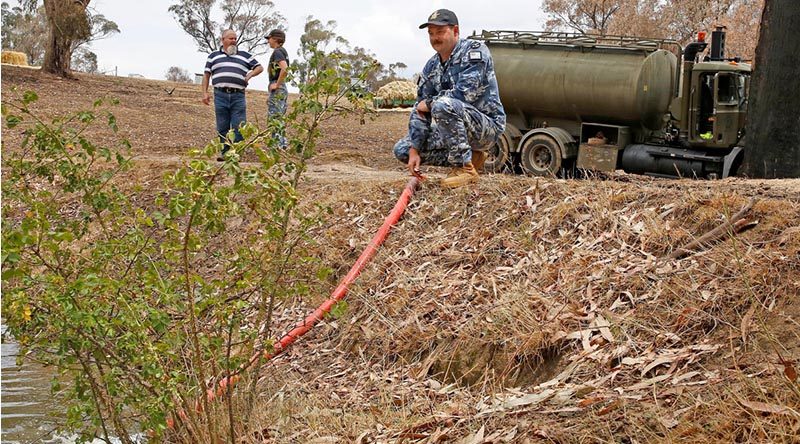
<point x="143" y="309"/>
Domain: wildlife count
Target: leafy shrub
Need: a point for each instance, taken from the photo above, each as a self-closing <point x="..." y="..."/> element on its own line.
<point x="145" y="309"/>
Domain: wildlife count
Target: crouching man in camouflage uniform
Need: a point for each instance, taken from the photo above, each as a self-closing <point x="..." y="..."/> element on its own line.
<point x="458" y="115"/>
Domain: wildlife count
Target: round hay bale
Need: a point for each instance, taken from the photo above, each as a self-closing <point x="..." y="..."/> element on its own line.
<point x="398" y="90"/>
<point x="15" y="58"/>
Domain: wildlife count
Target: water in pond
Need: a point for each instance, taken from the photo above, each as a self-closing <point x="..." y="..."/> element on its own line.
<point x="26" y="402"/>
<point x="29" y="414"/>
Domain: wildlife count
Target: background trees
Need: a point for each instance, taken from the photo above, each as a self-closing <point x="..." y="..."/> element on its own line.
<point x="99" y="28"/>
<point x="58" y="32"/>
<point x="584" y="16"/>
<point x="346" y="61"/>
<point x="675" y="19"/>
<point x="67" y="22"/>
<point x="25" y="30"/>
<point x="178" y="74"/>
<point x="84" y="60"/>
<point x="251" y="19"/>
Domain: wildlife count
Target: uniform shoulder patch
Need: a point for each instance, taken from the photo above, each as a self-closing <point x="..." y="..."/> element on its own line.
<point x="475" y="56"/>
<point x="475" y="45"/>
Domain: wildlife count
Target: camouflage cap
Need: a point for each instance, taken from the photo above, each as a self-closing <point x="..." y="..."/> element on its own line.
<point x="441" y="17"/>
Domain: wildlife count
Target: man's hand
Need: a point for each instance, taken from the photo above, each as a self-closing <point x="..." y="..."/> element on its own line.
<point x="413" y="161"/>
<point x="422" y="108"/>
<point x="273" y="86"/>
<point x="206" y="97"/>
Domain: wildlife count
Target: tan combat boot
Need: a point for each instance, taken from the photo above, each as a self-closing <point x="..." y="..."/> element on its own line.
<point x="461" y="176"/>
<point x="478" y="159"/>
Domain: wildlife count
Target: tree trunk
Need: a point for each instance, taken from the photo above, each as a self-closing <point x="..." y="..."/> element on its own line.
<point x="67" y="22"/>
<point x="773" y="119"/>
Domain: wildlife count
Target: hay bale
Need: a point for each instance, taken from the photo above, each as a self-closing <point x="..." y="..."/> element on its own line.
<point x="398" y="90"/>
<point x="15" y="58"/>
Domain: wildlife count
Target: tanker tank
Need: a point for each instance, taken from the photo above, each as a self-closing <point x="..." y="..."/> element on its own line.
<point x="583" y="82"/>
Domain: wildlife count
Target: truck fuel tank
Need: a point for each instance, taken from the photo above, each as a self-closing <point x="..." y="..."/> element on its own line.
<point x="542" y="80"/>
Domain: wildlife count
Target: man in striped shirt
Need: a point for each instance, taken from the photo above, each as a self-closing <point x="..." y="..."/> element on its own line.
<point x="229" y="71"/>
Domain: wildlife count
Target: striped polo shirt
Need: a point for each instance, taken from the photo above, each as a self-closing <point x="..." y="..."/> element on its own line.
<point x="229" y="71"/>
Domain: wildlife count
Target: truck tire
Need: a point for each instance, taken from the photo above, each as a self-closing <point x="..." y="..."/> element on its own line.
<point x="540" y="156"/>
<point x="497" y="161"/>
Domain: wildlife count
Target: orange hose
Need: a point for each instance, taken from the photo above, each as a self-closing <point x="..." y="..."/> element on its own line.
<point x="317" y="315"/>
<point x="341" y="291"/>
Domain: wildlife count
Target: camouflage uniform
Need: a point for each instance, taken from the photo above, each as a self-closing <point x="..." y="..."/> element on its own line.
<point x="276" y="106"/>
<point x="466" y="113"/>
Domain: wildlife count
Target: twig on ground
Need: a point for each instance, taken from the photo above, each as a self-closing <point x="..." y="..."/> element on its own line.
<point x="732" y="225"/>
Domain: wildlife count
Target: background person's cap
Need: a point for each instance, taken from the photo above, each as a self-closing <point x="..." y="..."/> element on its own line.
<point x="441" y="17"/>
<point x="277" y="33"/>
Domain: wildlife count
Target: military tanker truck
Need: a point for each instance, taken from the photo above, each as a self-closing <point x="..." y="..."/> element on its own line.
<point x="580" y="102"/>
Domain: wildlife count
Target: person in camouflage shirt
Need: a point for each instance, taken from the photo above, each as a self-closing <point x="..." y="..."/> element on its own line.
<point x="458" y="115"/>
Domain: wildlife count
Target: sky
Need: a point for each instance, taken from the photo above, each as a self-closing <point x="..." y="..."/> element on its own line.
<point x="151" y="40"/>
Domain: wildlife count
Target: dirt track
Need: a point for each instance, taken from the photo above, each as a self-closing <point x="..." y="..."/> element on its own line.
<point x="164" y="119"/>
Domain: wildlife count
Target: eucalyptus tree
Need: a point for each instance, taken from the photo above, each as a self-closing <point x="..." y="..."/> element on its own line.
<point x="204" y="21"/>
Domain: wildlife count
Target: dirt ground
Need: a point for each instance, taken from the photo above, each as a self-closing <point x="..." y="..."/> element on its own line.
<point x="517" y="310"/>
<point x="164" y="119"/>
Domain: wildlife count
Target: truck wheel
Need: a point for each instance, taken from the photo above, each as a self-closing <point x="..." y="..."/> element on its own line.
<point x="498" y="155"/>
<point x="541" y="156"/>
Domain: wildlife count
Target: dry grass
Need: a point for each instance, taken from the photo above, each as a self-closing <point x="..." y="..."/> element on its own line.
<point x="541" y="309"/>
<point x="521" y="310"/>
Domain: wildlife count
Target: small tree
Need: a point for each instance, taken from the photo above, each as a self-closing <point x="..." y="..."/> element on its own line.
<point x="178" y="74"/>
<point x="147" y="309"/>
<point x="251" y="19"/>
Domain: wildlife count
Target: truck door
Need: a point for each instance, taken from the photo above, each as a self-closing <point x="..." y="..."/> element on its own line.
<point x="704" y="129"/>
<point x="727" y="102"/>
<point x="744" y="92"/>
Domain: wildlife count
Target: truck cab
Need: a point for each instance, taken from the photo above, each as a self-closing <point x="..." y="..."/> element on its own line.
<point x="717" y="104"/>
